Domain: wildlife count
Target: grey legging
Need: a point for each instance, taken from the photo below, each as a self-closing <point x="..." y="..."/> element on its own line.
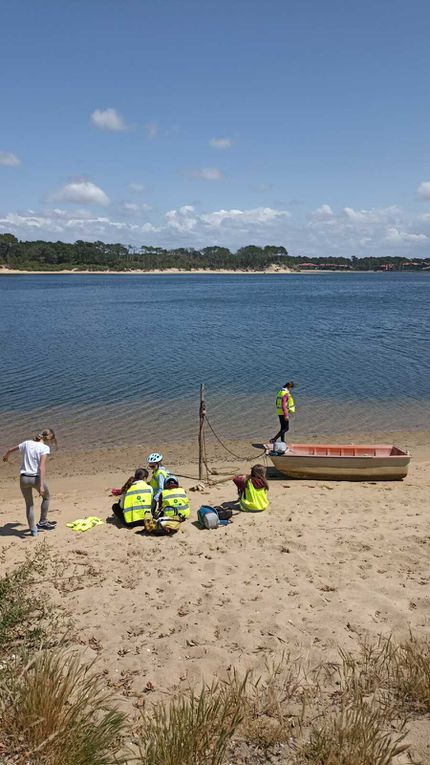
<point x="27" y="484"/>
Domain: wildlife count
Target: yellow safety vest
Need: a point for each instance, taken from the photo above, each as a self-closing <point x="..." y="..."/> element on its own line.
<point x="154" y="480"/>
<point x="253" y="499"/>
<point x="291" y="407"/>
<point x="175" y="502"/>
<point x="137" y="502"/>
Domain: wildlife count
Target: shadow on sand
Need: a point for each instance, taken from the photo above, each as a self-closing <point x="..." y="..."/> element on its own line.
<point x="13" y="530"/>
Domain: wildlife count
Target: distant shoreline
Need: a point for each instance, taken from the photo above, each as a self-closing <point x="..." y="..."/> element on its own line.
<point x="177" y="271"/>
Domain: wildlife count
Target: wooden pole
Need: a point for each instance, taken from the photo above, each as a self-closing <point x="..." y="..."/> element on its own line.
<point x="202" y="412"/>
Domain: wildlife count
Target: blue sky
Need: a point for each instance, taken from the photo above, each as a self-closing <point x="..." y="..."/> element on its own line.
<point x="187" y="123"/>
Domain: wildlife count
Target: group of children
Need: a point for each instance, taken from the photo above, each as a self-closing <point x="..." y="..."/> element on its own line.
<point x="141" y="502"/>
<point x="163" y="497"/>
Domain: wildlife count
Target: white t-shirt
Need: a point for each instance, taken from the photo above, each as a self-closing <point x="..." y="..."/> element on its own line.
<point x="31" y="453"/>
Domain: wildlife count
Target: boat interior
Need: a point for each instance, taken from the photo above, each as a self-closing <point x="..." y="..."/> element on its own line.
<point x="341" y="450"/>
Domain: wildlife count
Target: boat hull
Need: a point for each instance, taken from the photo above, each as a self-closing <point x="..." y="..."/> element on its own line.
<point x="380" y="465"/>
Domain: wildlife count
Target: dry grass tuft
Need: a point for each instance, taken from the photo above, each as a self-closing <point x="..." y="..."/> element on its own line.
<point x="194" y="729"/>
<point x="24" y="615"/>
<point x="396" y="675"/>
<point x="273" y="704"/>
<point x="409" y="675"/>
<point x="56" y="711"/>
<point x="352" y="736"/>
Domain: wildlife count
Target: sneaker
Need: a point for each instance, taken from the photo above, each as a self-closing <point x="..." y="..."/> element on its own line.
<point x="45" y="526"/>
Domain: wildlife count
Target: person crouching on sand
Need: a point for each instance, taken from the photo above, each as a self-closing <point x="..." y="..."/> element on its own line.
<point x="173" y="499"/>
<point x="253" y="490"/>
<point x="34" y="453"/>
<point x="135" y="502"/>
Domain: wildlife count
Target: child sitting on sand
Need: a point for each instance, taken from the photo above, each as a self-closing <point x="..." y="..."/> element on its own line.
<point x="135" y="502"/>
<point x="253" y="490"/>
<point x="173" y="499"/>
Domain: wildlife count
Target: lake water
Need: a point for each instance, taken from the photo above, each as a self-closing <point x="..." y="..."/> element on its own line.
<point x="119" y="359"/>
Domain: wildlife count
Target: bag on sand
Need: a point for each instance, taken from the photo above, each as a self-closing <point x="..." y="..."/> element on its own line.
<point x="224" y="513"/>
<point x="208" y="517"/>
<point x="163" y="526"/>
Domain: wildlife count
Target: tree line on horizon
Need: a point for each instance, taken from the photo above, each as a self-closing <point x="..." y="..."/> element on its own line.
<point x="100" y="256"/>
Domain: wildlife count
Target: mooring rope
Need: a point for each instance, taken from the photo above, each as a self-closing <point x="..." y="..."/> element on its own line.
<point x="237" y="456"/>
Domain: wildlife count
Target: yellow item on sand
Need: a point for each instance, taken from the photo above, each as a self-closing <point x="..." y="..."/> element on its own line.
<point x="83" y="524"/>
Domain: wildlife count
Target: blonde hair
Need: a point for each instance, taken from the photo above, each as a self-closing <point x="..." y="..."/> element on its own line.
<point x="46" y="435"/>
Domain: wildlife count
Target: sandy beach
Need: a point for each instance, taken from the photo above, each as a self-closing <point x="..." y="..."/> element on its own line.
<point x="327" y="563"/>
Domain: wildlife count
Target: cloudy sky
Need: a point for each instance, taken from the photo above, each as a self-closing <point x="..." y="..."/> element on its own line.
<point x="191" y="123"/>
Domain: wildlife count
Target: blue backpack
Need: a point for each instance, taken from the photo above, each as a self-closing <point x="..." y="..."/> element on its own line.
<point x="208" y="517"/>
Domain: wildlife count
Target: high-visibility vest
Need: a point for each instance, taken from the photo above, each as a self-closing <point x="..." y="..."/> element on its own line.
<point x="137" y="502"/>
<point x="175" y="502"/>
<point x="280" y="395"/>
<point x="291" y="407"/>
<point x="253" y="499"/>
<point x="154" y="480"/>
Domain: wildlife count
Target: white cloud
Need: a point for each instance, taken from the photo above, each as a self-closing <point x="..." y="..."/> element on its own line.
<point x="182" y="220"/>
<point x="136" y="188"/>
<point x="220" y="143"/>
<point x="260" y="216"/>
<point x="82" y="192"/>
<point x="423" y="190"/>
<point x="395" y="236"/>
<point x="8" y="159"/>
<point x="108" y="119"/>
<point x="324" y="231"/>
<point x="71" y="226"/>
<point x="186" y="219"/>
<point x="350" y="231"/>
<point x="135" y="207"/>
<point x="323" y="213"/>
<point x="376" y="215"/>
<point x="208" y="174"/>
<point x="152" y="130"/>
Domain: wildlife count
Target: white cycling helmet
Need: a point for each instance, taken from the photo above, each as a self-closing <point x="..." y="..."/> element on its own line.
<point x="155" y="457"/>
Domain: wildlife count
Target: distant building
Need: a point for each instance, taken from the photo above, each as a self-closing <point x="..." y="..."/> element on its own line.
<point x="325" y="266"/>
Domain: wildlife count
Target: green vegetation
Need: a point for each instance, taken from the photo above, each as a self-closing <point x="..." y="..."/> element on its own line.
<point x="56" y="710"/>
<point x="193" y="729"/>
<point x="27" y="618"/>
<point x="98" y="256"/>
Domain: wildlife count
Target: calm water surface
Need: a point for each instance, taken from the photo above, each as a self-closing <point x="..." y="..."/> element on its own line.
<point x="119" y="359"/>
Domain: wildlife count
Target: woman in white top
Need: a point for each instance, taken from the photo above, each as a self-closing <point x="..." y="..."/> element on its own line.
<point x="32" y="476"/>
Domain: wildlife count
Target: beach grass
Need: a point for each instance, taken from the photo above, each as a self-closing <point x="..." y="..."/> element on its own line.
<point x="353" y="735"/>
<point x="195" y="728"/>
<point x="27" y="616"/>
<point x="57" y="710"/>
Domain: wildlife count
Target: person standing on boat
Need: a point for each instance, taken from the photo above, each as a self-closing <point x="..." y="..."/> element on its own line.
<point x="284" y="406"/>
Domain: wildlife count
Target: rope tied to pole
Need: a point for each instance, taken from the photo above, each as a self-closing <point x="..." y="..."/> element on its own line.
<point x="203" y="459"/>
<point x="237" y="456"/>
